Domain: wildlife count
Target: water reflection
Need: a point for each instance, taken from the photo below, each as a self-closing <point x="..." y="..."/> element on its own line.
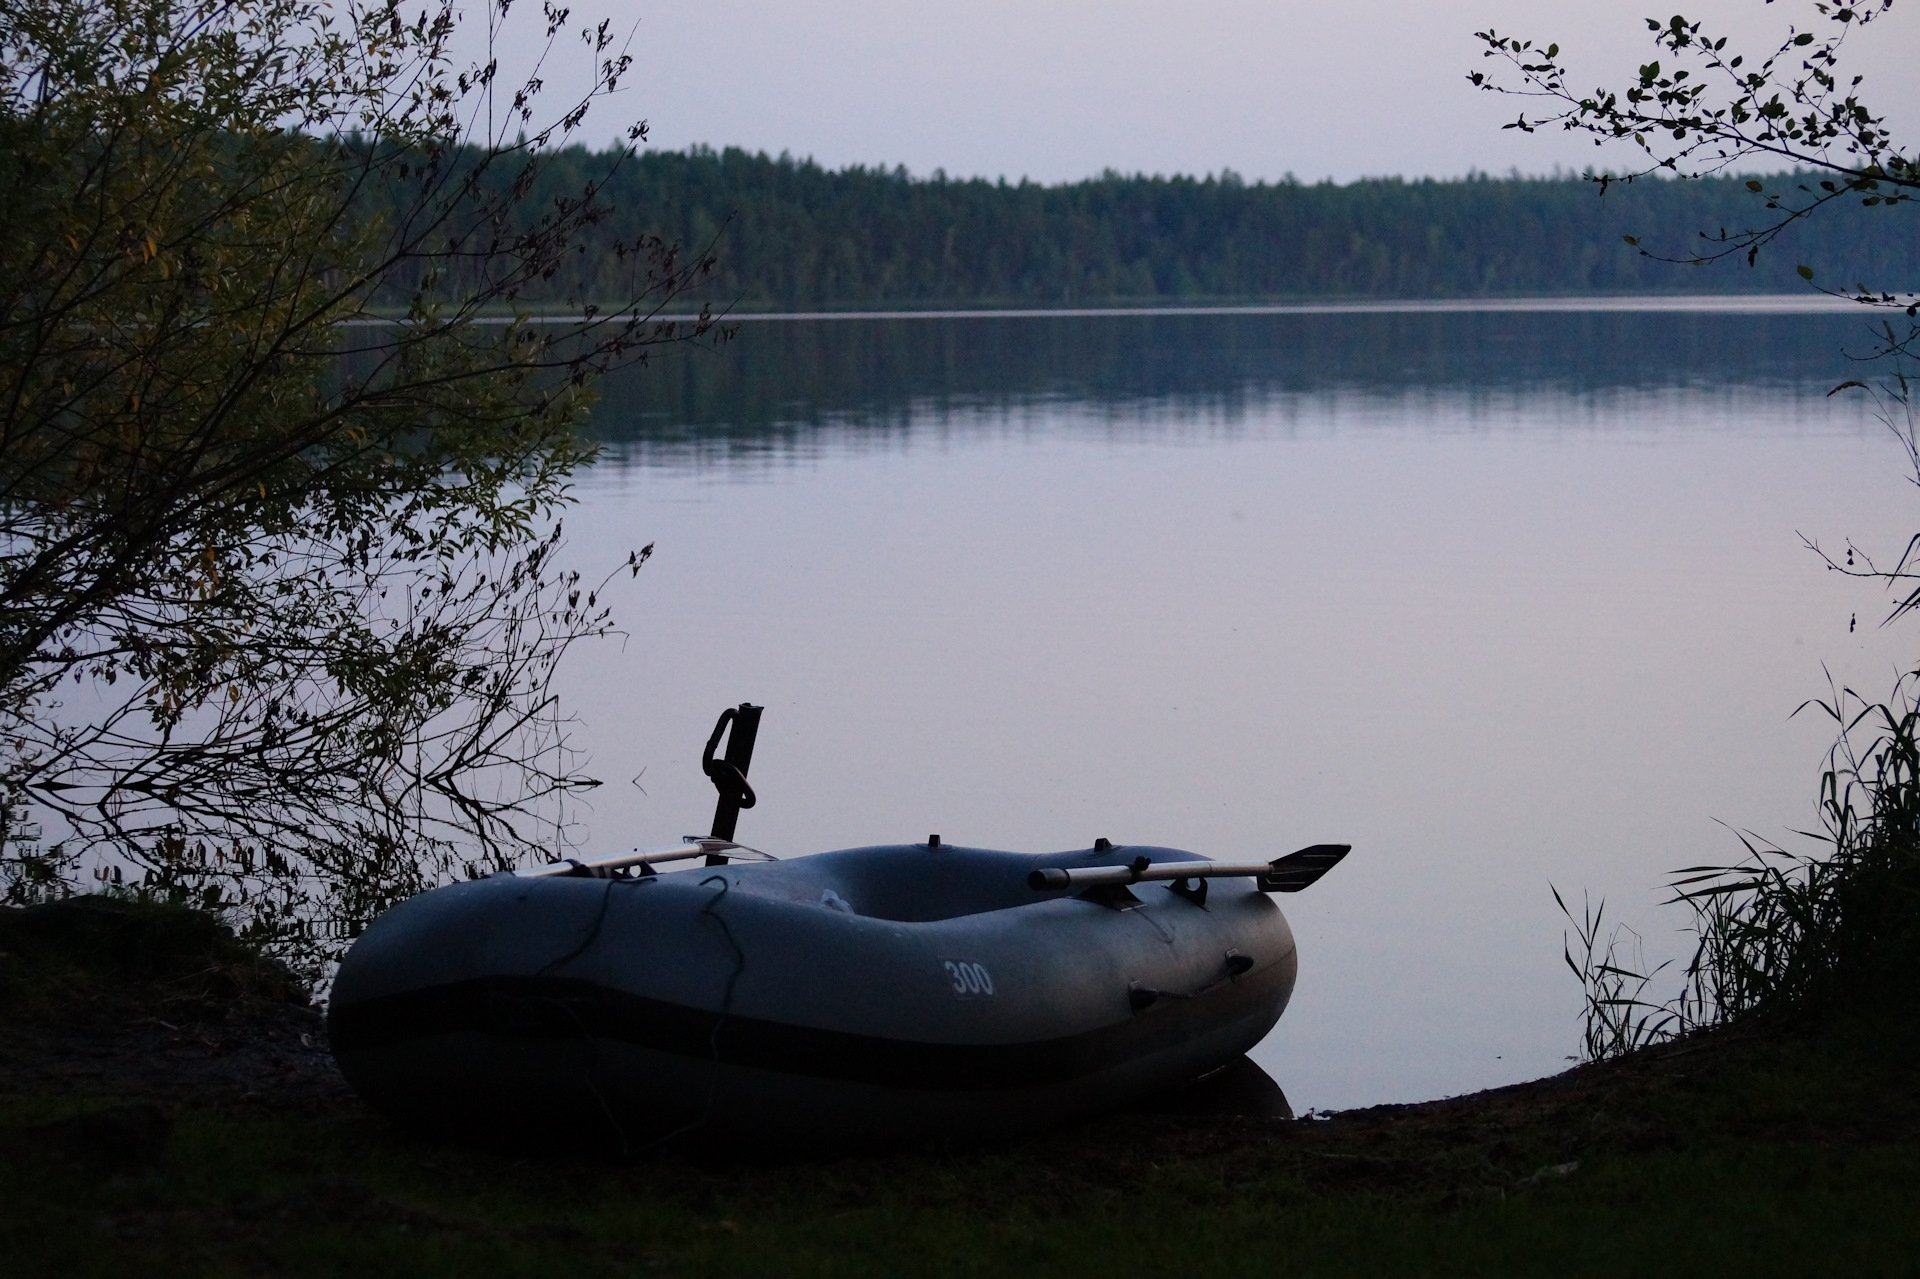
<point x="775" y="388"/>
<point x="1243" y="584"/>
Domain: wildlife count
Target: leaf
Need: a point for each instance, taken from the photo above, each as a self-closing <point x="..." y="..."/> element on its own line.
<point x="1631" y="240"/>
<point x="1806" y="272"/>
<point x="1753" y="185"/>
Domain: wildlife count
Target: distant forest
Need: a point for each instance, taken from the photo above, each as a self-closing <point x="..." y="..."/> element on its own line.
<point x="793" y="235"/>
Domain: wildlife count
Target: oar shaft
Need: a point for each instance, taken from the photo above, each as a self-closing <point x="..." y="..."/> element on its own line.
<point x="1053" y="877"/>
<point x="701" y="847"/>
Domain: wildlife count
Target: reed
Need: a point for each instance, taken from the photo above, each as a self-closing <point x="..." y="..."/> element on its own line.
<point x="1618" y="1017"/>
<point x="1782" y="931"/>
<point x="1779" y="932"/>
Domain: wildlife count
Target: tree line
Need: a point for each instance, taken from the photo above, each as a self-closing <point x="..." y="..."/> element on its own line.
<point x="792" y="234"/>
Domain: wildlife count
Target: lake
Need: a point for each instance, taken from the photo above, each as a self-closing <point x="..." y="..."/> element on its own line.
<point x="1503" y="599"/>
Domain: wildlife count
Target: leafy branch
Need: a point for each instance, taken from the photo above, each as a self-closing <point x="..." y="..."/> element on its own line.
<point x="1794" y="105"/>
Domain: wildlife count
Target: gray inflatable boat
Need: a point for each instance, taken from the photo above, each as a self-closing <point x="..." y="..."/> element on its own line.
<point x="875" y="996"/>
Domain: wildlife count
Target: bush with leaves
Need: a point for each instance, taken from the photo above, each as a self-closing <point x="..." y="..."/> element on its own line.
<point x="281" y="461"/>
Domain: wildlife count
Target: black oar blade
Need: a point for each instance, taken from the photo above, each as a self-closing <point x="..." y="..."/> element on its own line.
<point x="1298" y="870"/>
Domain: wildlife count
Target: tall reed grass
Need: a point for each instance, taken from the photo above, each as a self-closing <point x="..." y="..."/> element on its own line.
<point x="1781" y="932"/>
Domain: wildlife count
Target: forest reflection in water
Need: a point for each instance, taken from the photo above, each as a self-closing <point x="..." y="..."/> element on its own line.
<point x="1501" y="600"/>
<point x="777" y="383"/>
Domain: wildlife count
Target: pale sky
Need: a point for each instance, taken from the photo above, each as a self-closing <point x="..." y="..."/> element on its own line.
<point x="1061" y="89"/>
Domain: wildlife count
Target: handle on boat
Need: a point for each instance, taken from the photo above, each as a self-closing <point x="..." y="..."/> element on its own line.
<point x="716" y="850"/>
<point x="729" y="774"/>
<point x="1287" y="874"/>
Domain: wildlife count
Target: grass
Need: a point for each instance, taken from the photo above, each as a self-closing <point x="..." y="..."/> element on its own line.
<point x="1764" y="1149"/>
<point x="64" y="952"/>
<point x="272" y="1195"/>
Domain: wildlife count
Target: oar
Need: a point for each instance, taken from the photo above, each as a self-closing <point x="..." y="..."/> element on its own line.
<point x="690" y="846"/>
<point x="1287" y="874"/>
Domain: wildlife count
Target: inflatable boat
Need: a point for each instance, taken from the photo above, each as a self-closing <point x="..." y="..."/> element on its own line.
<point x="898" y="994"/>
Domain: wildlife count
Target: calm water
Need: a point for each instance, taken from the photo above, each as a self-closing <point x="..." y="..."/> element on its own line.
<point x="1502" y="600"/>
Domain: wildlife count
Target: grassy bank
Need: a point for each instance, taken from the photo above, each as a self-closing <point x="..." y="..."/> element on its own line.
<point x="165" y="1117"/>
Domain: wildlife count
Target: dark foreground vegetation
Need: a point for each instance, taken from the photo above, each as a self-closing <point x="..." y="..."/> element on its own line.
<point x="167" y="1107"/>
<point x="790" y="234"/>
<point x="281" y="591"/>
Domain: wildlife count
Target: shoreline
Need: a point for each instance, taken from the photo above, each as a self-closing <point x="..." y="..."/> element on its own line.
<point x="1645" y="304"/>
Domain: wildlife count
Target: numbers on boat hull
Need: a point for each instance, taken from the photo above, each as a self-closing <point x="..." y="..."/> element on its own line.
<point x="967" y="979"/>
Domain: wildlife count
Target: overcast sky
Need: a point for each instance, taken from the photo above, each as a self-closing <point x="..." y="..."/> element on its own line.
<point x="1064" y="89"/>
<point x="1061" y="89"/>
